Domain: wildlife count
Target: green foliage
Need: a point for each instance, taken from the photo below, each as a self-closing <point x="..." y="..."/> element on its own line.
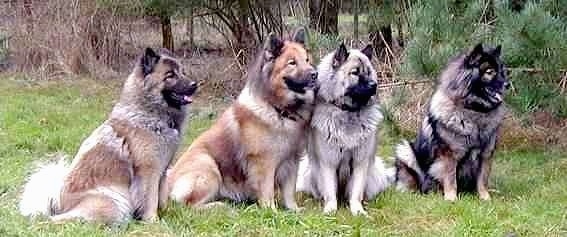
<point x="532" y="38"/>
<point x="532" y="93"/>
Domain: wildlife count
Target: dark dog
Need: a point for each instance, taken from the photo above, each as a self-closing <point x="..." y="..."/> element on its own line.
<point x="457" y="139"/>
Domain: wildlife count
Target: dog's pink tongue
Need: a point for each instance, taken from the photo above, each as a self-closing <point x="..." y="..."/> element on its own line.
<point x="188" y="98"/>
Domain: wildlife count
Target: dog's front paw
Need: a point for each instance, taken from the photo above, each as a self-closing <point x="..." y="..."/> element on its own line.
<point x="330" y="207"/>
<point x="484" y="196"/>
<point x="268" y="203"/>
<point x="294" y="207"/>
<point x="151" y="218"/>
<point x="357" y="210"/>
<point x="450" y="196"/>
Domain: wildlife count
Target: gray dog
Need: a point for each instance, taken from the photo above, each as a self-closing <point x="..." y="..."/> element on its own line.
<point x="342" y="139"/>
<point x="457" y="139"/>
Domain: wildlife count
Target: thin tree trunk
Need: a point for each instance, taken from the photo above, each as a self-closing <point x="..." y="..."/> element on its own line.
<point x="517" y="5"/>
<point x="190" y="29"/>
<point x="381" y="28"/>
<point x="331" y="17"/>
<point x="324" y="16"/>
<point x="314" y="13"/>
<point x="355" y="20"/>
<point x="244" y="37"/>
<point x="166" y="32"/>
<point x="28" y="16"/>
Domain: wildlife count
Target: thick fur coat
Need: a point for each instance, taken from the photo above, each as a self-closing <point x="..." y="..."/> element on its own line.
<point x="341" y="160"/>
<point x="454" y="147"/>
<point x="253" y="148"/>
<point x="118" y="171"/>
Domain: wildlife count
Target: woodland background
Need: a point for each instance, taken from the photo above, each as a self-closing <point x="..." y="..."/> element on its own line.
<point x="66" y="39"/>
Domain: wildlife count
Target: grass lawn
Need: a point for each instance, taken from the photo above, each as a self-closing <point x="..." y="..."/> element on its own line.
<point x="42" y="118"/>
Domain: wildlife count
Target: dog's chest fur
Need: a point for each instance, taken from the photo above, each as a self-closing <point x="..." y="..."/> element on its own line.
<point x="344" y="129"/>
<point x="467" y="128"/>
<point x="267" y="129"/>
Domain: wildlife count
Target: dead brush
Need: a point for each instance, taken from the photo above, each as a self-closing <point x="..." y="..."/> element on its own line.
<point x="56" y="38"/>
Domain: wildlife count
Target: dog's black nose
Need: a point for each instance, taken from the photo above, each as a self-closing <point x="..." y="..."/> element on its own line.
<point x="313" y="75"/>
<point x="372" y="85"/>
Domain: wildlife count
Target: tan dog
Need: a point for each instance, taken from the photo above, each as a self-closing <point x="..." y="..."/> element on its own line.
<point x="255" y="145"/>
<point x="118" y="170"/>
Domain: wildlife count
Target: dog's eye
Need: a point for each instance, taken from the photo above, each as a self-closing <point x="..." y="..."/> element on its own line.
<point x="169" y="79"/>
<point x="291" y="62"/>
<point x="355" y="72"/>
<point x="170" y="76"/>
<point x="489" y="72"/>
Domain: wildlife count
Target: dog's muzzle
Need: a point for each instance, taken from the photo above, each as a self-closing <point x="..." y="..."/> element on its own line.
<point x="300" y="85"/>
<point x="362" y="92"/>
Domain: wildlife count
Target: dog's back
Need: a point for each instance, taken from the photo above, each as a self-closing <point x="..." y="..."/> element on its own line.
<point x="115" y="174"/>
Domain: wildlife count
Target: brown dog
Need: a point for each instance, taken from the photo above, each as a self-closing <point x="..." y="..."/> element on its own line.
<point x="255" y="145"/>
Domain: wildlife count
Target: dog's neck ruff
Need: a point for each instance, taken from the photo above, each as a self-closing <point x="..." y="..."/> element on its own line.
<point x="285" y="114"/>
<point x="280" y="118"/>
<point x="343" y="107"/>
<point x="346" y="129"/>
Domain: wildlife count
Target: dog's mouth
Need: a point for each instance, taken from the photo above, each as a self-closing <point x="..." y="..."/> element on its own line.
<point x="300" y="86"/>
<point x="180" y="97"/>
<point x="494" y="97"/>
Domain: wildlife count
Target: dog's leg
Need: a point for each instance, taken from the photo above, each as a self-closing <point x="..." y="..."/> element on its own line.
<point x="287" y="178"/>
<point x="358" y="183"/>
<point x="327" y="184"/>
<point x="261" y="175"/>
<point x="198" y="185"/>
<point x="485" y="167"/>
<point x="482" y="180"/>
<point x="450" y="180"/>
<point x="97" y="207"/>
<point x="445" y="170"/>
<point x="163" y="191"/>
<point x="145" y="193"/>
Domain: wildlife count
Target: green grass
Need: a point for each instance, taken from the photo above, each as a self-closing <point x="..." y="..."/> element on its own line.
<point x="42" y="118"/>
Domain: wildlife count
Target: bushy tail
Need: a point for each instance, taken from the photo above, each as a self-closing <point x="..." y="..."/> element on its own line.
<point x="406" y="163"/>
<point x="42" y="191"/>
<point x="380" y="179"/>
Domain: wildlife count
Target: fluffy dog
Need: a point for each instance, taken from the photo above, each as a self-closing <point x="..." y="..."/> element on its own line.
<point x="118" y="170"/>
<point x="458" y="136"/>
<point x="342" y="138"/>
<point x="255" y="145"/>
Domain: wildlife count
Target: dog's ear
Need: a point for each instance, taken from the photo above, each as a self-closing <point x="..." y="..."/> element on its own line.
<point x="148" y="61"/>
<point x="300" y="36"/>
<point x="475" y="55"/>
<point x="341" y="54"/>
<point x="496" y="52"/>
<point x="272" y="46"/>
<point x="166" y="52"/>
<point x="368" y="51"/>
